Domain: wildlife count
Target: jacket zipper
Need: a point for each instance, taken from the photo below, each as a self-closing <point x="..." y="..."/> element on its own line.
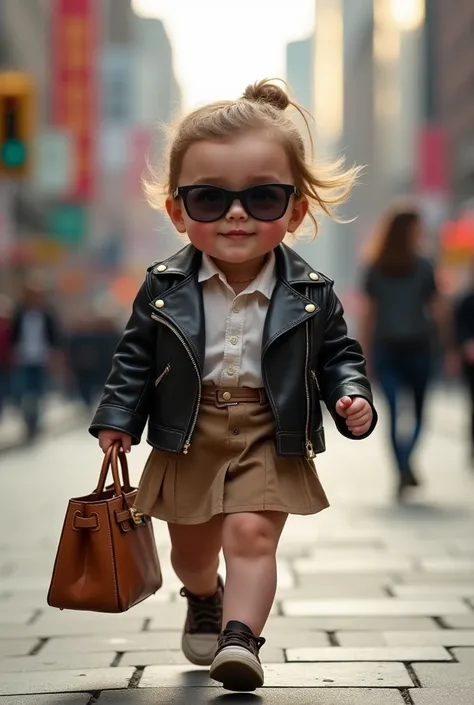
<point x="310" y="454"/>
<point x="186" y="347"/>
<point x="316" y="381"/>
<point x="162" y="375"/>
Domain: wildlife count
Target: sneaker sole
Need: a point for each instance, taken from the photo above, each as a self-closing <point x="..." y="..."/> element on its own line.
<point x="195" y="658"/>
<point x="235" y="668"/>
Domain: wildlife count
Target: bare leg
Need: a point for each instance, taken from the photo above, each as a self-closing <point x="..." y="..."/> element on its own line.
<point x="250" y="541"/>
<point x="195" y="554"/>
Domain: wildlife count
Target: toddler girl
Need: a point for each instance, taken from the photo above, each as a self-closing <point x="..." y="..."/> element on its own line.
<point x="232" y="344"/>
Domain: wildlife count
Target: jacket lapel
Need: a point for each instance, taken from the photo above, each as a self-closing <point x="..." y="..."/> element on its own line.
<point x="181" y="306"/>
<point x="288" y="306"/>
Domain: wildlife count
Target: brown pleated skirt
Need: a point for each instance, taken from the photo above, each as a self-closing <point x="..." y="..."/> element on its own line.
<point x="232" y="466"/>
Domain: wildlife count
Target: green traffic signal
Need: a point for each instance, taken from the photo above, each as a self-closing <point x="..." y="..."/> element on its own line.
<point x="13" y="153"/>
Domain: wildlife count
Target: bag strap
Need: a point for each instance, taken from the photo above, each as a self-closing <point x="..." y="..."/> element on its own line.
<point x="111" y="458"/>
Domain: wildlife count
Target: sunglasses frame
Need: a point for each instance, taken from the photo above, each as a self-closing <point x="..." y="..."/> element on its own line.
<point x="232" y="196"/>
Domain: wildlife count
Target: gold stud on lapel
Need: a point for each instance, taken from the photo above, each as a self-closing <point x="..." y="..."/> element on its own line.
<point x="314" y="276"/>
<point x="159" y="303"/>
<point x="310" y="308"/>
<point x="161" y="268"/>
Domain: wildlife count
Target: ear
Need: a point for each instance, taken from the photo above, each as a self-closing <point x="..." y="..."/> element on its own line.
<point x="299" y="208"/>
<point x="175" y="210"/>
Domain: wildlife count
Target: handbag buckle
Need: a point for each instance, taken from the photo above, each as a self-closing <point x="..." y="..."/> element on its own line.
<point x="137" y="517"/>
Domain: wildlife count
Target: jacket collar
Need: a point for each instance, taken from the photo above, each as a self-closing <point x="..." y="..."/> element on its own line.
<point x="182" y="304"/>
<point x="289" y="265"/>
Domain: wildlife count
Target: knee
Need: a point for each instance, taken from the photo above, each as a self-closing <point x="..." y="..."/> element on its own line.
<point x="248" y="536"/>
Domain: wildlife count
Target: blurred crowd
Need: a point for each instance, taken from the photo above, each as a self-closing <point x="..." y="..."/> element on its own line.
<point x="41" y="354"/>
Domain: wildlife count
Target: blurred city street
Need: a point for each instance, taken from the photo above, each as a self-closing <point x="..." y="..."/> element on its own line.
<point x="375" y="603"/>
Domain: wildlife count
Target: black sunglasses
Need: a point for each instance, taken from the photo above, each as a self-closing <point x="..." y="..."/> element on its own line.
<point x="208" y="203"/>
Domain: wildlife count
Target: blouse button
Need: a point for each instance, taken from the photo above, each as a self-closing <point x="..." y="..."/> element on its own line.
<point x="234" y="340"/>
<point x="231" y="371"/>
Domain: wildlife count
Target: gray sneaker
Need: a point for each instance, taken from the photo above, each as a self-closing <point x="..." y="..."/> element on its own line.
<point x="203" y="625"/>
<point x="237" y="664"/>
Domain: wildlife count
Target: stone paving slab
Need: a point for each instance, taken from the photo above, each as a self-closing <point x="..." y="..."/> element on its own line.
<point x="291" y="675"/>
<point x="58" y="662"/>
<point x="160" y="658"/>
<point x="457" y="621"/>
<point x="436" y="696"/>
<point x="465" y="655"/>
<point x="439" y="637"/>
<point x="440" y="565"/>
<point x="441" y="675"/>
<point x="333" y="580"/>
<point x="64" y="699"/>
<point x="272" y="696"/>
<point x="387" y="607"/>
<point x="414" y="577"/>
<point x="16" y="647"/>
<point x="424" y="591"/>
<point x="15" y="616"/>
<point x="64" y="681"/>
<point x="72" y="628"/>
<point x="144" y="641"/>
<point x="382" y="563"/>
<point x="336" y="590"/>
<point x="442" y="637"/>
<point x="404" y="654"/>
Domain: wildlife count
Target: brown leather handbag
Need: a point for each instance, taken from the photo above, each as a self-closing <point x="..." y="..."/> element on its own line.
<point x="106" y="559"/>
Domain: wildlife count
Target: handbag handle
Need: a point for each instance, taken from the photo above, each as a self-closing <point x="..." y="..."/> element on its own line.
<point x="111" y="458"/>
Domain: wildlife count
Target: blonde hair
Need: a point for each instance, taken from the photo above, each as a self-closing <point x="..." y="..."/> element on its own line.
<point x="262" y="105"/>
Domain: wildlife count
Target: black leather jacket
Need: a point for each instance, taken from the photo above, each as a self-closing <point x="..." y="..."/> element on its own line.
<point x="307" y="357"/>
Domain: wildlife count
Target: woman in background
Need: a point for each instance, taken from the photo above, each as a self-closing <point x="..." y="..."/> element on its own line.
<point x="401" y="307"/>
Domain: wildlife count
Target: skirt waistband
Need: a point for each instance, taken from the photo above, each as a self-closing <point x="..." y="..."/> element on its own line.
<point x="224" y="396"/>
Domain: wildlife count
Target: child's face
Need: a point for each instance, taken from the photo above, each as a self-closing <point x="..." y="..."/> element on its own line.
<point x="252" y="158"/>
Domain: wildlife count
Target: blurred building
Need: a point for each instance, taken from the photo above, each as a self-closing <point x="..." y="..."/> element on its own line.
<point x="299" y="71"/>
<point x="80" y="214"/>
<point x="452" y="35"/>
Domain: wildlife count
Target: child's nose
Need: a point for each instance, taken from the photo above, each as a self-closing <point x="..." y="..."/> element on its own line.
<point x="236" y="211"/>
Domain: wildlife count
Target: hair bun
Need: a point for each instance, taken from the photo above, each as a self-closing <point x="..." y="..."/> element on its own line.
<point x="269" y="93"/>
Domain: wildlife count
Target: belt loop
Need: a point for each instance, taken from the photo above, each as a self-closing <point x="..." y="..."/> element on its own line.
<point x="262" y="396"/>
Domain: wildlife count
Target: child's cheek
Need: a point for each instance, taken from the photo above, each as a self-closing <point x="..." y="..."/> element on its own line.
<point x="201" y="234"/>
<point x="271" y="234"/>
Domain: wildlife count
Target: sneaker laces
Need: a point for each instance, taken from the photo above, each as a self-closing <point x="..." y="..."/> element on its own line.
<point x="205" y="613"/>
<point x="250" y="642"/>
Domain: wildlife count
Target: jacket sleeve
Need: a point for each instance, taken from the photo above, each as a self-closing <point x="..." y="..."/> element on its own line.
<point x="341" y="366"/>
<point x="125" y="402"/>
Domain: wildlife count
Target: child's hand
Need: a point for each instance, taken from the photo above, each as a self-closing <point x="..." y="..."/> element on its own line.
<point x="107" y="438"/>
<point x="357" y="412"/>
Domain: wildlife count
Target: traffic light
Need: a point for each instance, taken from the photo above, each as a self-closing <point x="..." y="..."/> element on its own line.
<point x="16" y="124"/>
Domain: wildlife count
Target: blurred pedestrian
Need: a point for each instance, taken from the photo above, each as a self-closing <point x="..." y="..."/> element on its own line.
<point x="234" y="418"/>
<point x="90" y="348"/>
<point x="6" y="307"/>
<point x="464" y="318"/>
<point x="36" y="351"/>
<point x="400" y="315"/>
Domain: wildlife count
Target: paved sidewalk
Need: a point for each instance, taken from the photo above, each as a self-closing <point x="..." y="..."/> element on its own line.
<point x="60" y="415"/>
<point x="375" y="604"/>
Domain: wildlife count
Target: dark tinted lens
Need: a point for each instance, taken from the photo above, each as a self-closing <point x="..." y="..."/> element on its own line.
<point x="206" y="203"/>
<point x="267" y="202"/>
